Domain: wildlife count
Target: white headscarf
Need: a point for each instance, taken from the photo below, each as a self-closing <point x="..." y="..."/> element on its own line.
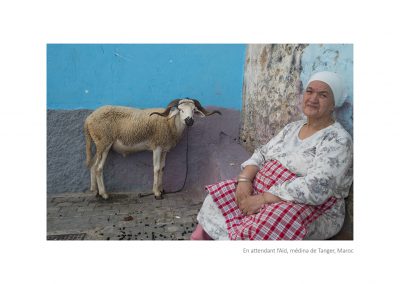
<point x="335" y="82"/>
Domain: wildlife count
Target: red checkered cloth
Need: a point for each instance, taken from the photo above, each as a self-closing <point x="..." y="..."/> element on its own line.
<point x="276" y="221"/>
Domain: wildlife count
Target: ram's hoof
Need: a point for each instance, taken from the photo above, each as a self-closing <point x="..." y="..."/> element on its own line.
<point x="105" y="196"/>
<point x="158" y="197"/>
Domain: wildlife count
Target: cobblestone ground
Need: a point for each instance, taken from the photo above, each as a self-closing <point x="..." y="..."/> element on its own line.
<point x="124" y="216"/>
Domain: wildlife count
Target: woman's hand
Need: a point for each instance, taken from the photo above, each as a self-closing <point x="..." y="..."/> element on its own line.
<point x="251" y="204"/>
<point x="243" y="191"/>
<point x="270" y="198"/>
<point x="245" y="188"/>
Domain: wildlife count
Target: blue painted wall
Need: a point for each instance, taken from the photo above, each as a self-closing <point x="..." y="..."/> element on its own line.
<point x="83" y="76"/>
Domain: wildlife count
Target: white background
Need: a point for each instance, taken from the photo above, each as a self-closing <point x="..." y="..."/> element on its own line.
<point x="26" y="28"/>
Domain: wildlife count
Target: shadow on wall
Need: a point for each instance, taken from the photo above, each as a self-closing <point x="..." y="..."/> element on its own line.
<point x="214" y="154"/>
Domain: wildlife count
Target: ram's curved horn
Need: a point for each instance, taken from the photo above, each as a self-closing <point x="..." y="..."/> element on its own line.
<point x="172" y="104"/>
<point x="203" y="110"/>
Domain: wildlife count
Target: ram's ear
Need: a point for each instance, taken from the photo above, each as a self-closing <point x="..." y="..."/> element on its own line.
<point x="197" y="111"/>
<point x="174" y="111"/>
<point x="203" y="110"/>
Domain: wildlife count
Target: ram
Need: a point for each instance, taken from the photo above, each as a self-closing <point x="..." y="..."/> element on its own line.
<point x="127" y="130"/>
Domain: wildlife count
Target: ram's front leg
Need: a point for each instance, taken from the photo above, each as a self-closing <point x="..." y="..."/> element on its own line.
<point x="158" y="168"/>
<point x="162" y="164"/>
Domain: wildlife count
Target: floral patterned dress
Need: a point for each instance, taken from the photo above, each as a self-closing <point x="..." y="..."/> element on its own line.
<point x="322" y="166"/>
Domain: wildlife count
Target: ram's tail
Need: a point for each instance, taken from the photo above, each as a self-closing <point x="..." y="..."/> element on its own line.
<point x="88" y="139"/>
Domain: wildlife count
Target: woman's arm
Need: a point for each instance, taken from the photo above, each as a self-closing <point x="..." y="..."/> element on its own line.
<point x="328" y="173"/>
<point x="251" y="203"/>
<point x="245" y="183"/>
<point x="259" y="156"/>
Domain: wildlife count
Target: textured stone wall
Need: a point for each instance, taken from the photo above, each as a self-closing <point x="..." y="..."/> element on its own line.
<point x="271" y="91"/>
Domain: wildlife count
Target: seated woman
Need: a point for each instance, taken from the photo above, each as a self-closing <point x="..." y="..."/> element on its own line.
<point x="293" y="187"/>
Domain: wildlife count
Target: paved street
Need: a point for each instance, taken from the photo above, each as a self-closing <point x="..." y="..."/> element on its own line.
<point x="124" y="216"/>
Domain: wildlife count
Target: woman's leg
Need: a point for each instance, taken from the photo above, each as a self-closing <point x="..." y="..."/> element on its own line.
<point x="212" y="221"/>
<point x="328" y="224"/>
<point x="199" y="234"/>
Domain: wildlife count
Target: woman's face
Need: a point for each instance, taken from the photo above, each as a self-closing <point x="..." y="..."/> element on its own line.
<point x="318" y="101"/>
